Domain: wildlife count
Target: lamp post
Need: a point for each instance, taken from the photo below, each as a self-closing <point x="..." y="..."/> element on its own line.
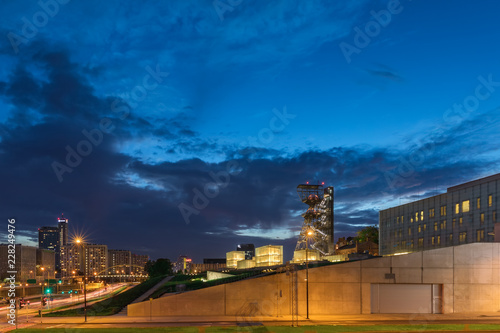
<point x="79" y="241"/>
<point x="41" y="297"/>
<point x="309" y="234"/>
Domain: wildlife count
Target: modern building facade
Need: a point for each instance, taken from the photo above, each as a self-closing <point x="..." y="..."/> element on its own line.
<point x="249" y="250"/>
<point x="79" y="259"/>
<point x="269" y="255"/>
<point x="233" y="257"/>
<point x="47" y="260"/>
<point x="53" y="238"/>
<point x="25" y="264"/>
<point x="139" y="262"/>
<point x="48" y="238"/>
<point x="120" y="260"/>
<point x="466" y="213"/>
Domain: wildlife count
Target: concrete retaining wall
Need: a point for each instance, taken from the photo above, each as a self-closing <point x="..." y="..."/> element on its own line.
<point x="469" y="275"/>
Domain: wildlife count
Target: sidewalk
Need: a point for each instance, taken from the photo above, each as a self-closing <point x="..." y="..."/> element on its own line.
<point x="393" y="319"/>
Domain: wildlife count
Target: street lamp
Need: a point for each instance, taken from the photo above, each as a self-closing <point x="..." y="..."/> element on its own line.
<point x="309" y="235"/>
<point x="79" y="241"/>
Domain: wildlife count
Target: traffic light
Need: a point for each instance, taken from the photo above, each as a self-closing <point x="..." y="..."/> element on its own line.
<point x="62" y="292"/>
<point x="44" y="301"/>
<point x="48" y="290"/>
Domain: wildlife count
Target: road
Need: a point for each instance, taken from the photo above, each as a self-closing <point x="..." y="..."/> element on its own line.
<point x="28" y="313"/>
<point x="120" y="321"/>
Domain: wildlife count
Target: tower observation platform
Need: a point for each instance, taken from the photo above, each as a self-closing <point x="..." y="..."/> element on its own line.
<point x="317" y="229"/>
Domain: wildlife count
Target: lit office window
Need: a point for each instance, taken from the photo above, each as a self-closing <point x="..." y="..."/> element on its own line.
<point x="419" y="228"/>
<point x="443" y="210"/>
<point x="490" y="200"/>
<point x="453" y="223"/>
<point x="431" y="212"/>
<point x="416" y="216"/>
<point x="460" y="221"/>
<point x="432" y="240"/>
<point x="409" y="231"/>
<point x="420" y="242"/>
<point x="462" y="237"/>
<point x="451" y="238"/>
<point x="425" y="226"/>
<point x="482" y="218"/>
<point x="443" y="224"/>
<point x="438" y="240"/>
<point x="402" y="219"/>
<point x="422" y="215"/>
<point x="457" y="208"/>
<point x="478" y="203"/>
<point x="480" y="235"/>
<point x="435" y="226"/>
<point x="466" y="206"/>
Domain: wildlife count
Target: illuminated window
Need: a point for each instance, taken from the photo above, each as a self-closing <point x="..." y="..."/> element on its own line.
<point x="482" y="218"/>
<point x="411" y="219"/>
<point x="490" y="200"/>
<point x="422" y="215"/>
<point x="431" y="212"/>
<point x="438" y="240"/>
<point x="432" y="240"/>
<point x="435" y="226"/>
<point x="402" y="219"/>
<point x="480" y="235"/>
<point x="443" y="224"/>
<point x="397" y="220"/>
<point x="420" y="242"/>
<point x="457" y="208"/>
<point x="478" y="203"/>
<point x="460" y="221"/>
<point x="466" y="206"/>
<point x="443" y="210"/>
<point x="425" y="226"/>
<point x="462" y="237"/>
<point x="411" y="244"/>
<point x="416" y="216"/>
<point x="453" y="223"/>
<point x="419" y="228"/>
<point x="451" y="238"/>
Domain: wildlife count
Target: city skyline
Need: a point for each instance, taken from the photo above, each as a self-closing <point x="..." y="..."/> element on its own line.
<point x="185" y="127"/>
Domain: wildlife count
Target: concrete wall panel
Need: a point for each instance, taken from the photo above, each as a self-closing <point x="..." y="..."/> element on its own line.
<point x="472" y="285"/>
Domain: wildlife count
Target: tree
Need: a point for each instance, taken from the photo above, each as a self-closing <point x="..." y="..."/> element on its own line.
<point x="158" y="267"/>
<point x="368" y="234"/>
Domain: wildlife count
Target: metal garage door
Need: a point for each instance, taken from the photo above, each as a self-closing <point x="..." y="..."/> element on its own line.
<point x="405" y="298"/>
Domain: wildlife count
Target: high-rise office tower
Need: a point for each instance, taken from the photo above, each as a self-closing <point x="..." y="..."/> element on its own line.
<point x="63" y="230"/>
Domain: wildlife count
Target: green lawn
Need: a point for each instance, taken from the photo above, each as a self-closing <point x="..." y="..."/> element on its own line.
<point x="195" y="282"/>
<point x="111" y="305"/>
<point x="277" y="329"/>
